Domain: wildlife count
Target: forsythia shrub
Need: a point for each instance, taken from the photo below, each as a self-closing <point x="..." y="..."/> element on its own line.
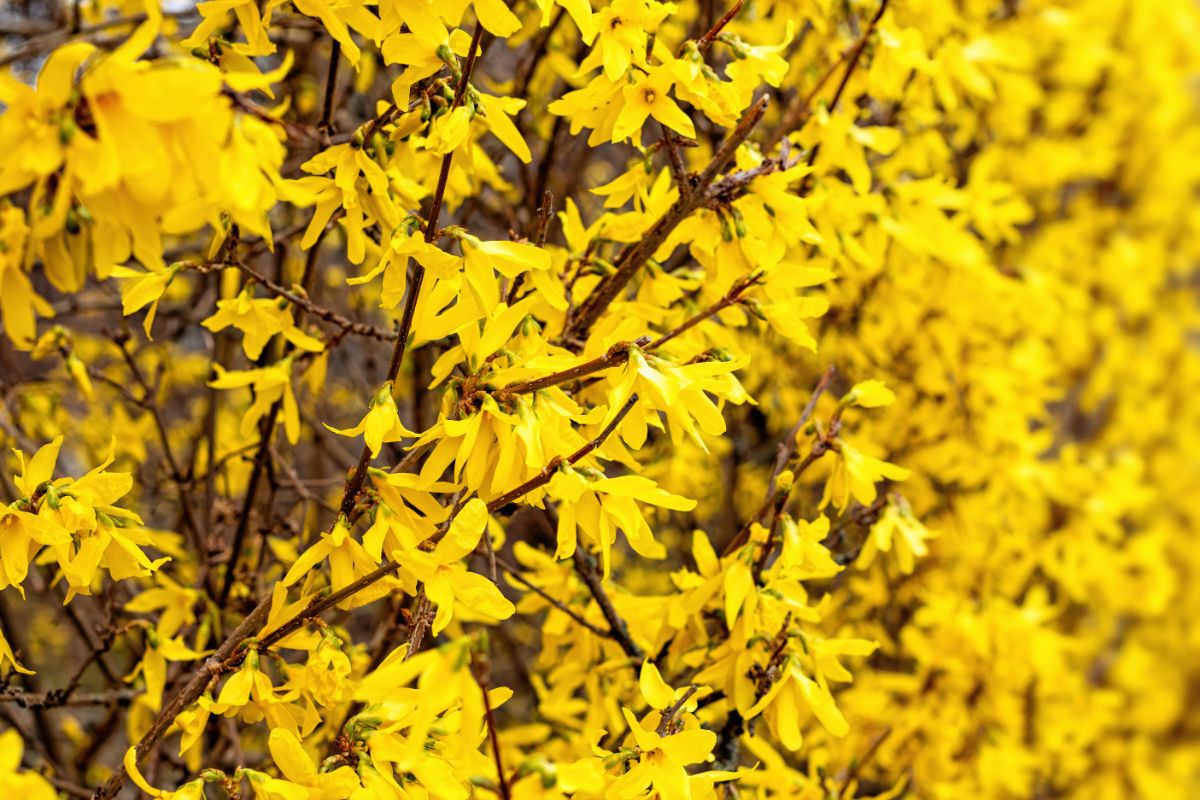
<point x="446" y="399"/>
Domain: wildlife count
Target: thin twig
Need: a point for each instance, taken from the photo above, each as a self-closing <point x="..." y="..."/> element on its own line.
<point x="480" y="670"/>
<point x="678" y="168"/>
<point x="788" y="446"/>
<point x="852" y="64"/>
<point x="705" y="41"/>
<point x="851" y="771"/>
<point x="515" y="573"/>
<point x="301" y="301"/>
<point x="740" y="287"/>
<point x="58" y="698"/>
<point x="777" y="499"/>
<point x="822" y="445"/>
<point x="335" y="56"/>
<point x="799" y="111"/>
<point x="48" y="41"/>
<point x="266" y="432"/>
<point x="181" y="480"/>
<point x="586" y="567"/>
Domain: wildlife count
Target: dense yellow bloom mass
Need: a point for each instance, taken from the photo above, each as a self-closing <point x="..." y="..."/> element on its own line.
<point x="604" y="399"/>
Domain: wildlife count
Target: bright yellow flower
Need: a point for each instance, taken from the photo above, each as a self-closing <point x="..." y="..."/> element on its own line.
<point x="25" y="783"/>
<point x="272" y="385"/>
<point x="381" y="424"/>
<point x="647" y="97"/>
<point x="259" y="319"/>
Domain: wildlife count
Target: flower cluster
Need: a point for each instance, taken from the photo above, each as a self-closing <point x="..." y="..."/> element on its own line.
<point x="605" y="399"/>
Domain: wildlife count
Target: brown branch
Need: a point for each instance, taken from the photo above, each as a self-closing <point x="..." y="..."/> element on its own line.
<point x="59" y="698"/>
<point x="635" y="255"/>
<point x="419" y="622"/>
<point x="546" y="162"/>
<point x="266" y="432"/>
<point x="728" y="750"/>
<point x="99" y="646"/>
<point x="770" y="672"/>
<point x="705" y="41"/>
<point x="666" y="721"/>
<point x="727" y="753"/>
<point x="355" y="483"/>
<point x="740" y="287"/>
<point x="796" y="114"/>
<point x="856" y="55"/>
<point x="218" y="663"/>
<point x="788" y="446"/>
<point x="294" y="130"/>
<point x="820" y="447"/>
<point x="107" y="638"/>
<point x="545" y="212"/>
<point x="735" y="184"/>
<point x="617" y="354"/>
<point x="851" y="771"/>
<point x="372" y="126"/>
<point x="297" y="483"/>
<point x="67" y="787"/>
<point x="480" y="669"/>
<point x="678" y="168"/>
<point x="325" y="126"/>
<point x="267" y="426"/>
<point x="25" y="28"/>
<point x="537" y="53"/>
